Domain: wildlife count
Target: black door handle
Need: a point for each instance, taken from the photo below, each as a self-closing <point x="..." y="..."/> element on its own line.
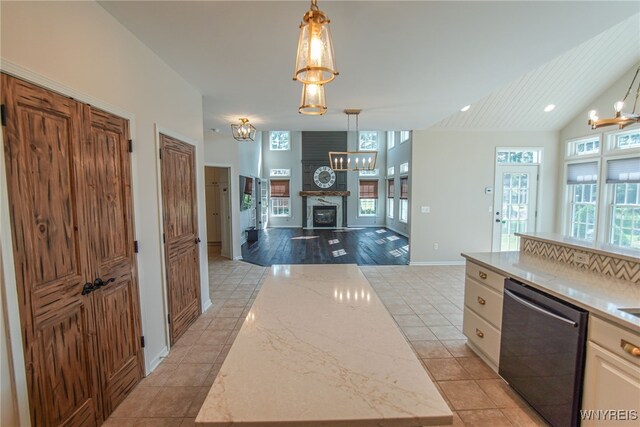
<point x="197" y="240"/>
<point x="98" y="283"/>
<point x="87" y="288"/>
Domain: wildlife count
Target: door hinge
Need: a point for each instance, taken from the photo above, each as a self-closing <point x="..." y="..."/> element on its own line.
<point x="135" y="246"/>
<point x="142" y="341"/>
<point x="131" y="145"/>
<point x="164" y="239"/>
<point x="168" y="318"/>
<point x="160" y="151"/>
<point x="538" y="177"/>
<point x="3" y="114"/>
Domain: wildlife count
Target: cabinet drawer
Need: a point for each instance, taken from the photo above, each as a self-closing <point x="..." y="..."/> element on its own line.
<point x="484" y="301"/>
<point x="482" y="334"/>
<point x="486" y="276"/>
<point x="614" y="338"/>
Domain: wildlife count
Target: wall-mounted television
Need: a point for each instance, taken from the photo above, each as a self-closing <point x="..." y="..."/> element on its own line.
<point x="246" y="192"/>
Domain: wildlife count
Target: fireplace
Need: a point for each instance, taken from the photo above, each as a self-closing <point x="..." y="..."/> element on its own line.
<point x="325" y="216"/>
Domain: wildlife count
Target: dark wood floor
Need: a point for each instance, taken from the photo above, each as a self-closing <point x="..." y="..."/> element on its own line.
<point x="362" y="246"/>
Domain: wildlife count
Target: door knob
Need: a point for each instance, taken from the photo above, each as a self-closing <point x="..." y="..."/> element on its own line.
<point x="98" y="283"/>
<point x="197" y="240"/>
<point x="87" y="288"/>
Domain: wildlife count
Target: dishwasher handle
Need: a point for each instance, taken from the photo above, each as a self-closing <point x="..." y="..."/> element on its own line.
<point x="539" y="309"/>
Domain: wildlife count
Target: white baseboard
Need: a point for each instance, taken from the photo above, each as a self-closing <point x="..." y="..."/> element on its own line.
<point x="434" y="263"/>
<point x="238" y="258"/>
<point x="156" y="360"/>
<point x="395" y="231"/>
<point x="207" y="305"/>
<point x="284" y="226"/>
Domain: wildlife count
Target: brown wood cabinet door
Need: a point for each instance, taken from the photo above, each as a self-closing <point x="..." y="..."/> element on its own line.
<point x="42" y="143"/>
<point x="107" y="167"/>
<point x="180" y="233"/>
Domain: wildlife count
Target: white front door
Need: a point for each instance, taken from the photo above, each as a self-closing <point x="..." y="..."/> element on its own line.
<point x="515" y="205"/>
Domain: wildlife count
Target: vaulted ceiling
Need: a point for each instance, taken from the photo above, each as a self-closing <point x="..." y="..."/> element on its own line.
<point x="408" y="65"/>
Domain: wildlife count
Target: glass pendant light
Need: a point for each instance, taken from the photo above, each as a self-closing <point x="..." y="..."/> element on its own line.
<point x="243" y="131"/>
<point x="313" y="101"/>
<point x="315" y="62"/>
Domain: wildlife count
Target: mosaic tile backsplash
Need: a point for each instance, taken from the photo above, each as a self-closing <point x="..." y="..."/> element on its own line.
<point x="609" y="265"/>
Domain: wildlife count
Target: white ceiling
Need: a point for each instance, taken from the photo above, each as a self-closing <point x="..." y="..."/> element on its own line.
<point x="408" y="65"/>
<point x="570" y="82"/>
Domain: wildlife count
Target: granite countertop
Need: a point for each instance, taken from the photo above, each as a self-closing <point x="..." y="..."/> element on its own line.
<point x="318" y="348"/>
<point x="601" y="295"/>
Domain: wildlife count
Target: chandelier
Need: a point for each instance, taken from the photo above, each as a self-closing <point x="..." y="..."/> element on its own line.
<point x="620" y="118"/>
<point x="315" y="63"/>
<point x="243" y="131"/>
<point x="353" y="160"/>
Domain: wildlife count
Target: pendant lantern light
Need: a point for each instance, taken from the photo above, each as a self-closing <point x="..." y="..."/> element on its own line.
<point x="313" y="101"/>
<point x="243" y="131"/>
<point x="315" y="62"/>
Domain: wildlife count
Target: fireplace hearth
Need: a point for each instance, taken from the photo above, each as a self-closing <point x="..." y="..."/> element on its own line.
<point x="325" y="216"/>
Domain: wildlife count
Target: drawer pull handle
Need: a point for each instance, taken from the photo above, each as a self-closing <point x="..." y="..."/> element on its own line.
<point x="481" y="301"/>
<point x="479" y="333"/>
<point x="482" y="275"/>
<point x="633" y="350"/>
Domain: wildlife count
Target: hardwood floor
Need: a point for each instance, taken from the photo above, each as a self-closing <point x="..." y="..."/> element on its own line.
<point x="362" y="246"/>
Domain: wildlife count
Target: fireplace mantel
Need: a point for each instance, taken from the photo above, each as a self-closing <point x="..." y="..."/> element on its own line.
<point x="324" y="193"/>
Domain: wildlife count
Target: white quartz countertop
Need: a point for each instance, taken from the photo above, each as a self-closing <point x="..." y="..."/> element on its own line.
<point x="594" y="292"/>
<point x="319" y="348"/>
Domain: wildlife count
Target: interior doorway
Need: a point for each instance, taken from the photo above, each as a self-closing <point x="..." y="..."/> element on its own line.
<point x="217" y="192"/>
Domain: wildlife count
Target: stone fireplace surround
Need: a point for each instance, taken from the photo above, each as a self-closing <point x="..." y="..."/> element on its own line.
<point x="324" y="198"/>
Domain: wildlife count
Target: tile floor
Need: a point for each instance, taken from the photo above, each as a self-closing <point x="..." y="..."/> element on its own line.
<point x="426" y="302"/>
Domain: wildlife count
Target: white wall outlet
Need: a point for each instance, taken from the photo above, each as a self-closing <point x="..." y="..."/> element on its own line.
<point x="580" y="258"/>
<point x="425" y="209"/>
<point x="435" y="246"/>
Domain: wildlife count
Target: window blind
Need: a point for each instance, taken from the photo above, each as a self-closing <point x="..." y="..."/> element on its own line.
<point x="368" y="189"/>
<point x="404" y="188"/>
<point x="582" y="173"/>
<point x="623" y="171"/>
<point x="391" y="189"/>
<point x="248" y="186"/>
<point x="279" y="188"/>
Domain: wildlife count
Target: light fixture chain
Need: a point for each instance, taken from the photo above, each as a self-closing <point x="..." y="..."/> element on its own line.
<point x="635" y="103"/>
<point x="631" y="86"/>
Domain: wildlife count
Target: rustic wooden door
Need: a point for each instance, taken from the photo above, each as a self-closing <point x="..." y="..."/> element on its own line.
<point x="107" y="166"/>
<point x="180" y="233"/>
<point x="47" y="197"/>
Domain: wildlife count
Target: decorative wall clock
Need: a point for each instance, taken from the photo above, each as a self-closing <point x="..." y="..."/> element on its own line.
<point x="324" y="177"/>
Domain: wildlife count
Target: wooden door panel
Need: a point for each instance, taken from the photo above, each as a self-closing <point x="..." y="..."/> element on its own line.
<point x="117" y="304"/>
<point x="49" y="228"/>
<point x="180" y="224"/>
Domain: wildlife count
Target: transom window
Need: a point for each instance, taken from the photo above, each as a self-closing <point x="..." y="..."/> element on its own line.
<point x="518" y="156"/>
<point x="625" y="140"/>
<point x="280" y="172"/>
<point x="372" y="172"/>
<point x="391" y="171"/>
<point x="404" y="136"/>
<point x="584" y="147"/>
<point x="279" y="140"/>
<point x="404" y="167"/>
<point x="368" y="141"/>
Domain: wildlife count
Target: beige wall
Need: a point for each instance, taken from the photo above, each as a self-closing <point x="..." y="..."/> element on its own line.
<point x="80" y="49"/>
<point x="450" y="170"/>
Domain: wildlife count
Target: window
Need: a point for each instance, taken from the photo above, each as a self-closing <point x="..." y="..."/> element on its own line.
<point x="624" y="176"/>
<point x="584" y="147"/>
<point x="390" y="195"/>
<point x="368" y="141"/>
<point x="625" y="140"/>
<point x="372" y="172"/>
<point x="518" y="156"/>
<point x="404" y="136"/>
<point x="368" y="197"/>
<point x="391" y="171"/>
<point x="280" y="197"/>
<point x="582" y="179"/>
<point x="404" y="199"/>
<point x="404" y="167"/>
<point x="391" y="139"/>
<point x="280" y="172"/>
<point x="279" y="140"/>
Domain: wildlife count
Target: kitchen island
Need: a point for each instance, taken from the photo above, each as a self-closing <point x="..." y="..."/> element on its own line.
<point x="318" y="348"/>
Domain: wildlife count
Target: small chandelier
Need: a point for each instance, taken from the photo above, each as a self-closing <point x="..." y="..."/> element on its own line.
<point x="313" y="101"/>
<point x="243" y="131"/>
<point x="620" y="119"/>
<point x="353" y="160"/>
<point x="315" y="63"/>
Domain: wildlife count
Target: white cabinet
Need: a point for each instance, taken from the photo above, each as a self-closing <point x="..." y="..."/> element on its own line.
<point x="612" y="376"/>
<point x="483" y="312"/>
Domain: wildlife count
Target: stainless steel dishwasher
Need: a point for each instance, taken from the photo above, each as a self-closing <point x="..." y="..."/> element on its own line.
<point x="542" y="351"/>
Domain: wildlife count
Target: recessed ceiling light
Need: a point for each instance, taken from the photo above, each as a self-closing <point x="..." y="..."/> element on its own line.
<point x="465" y="108"/>
<point x="549" y="107"/>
